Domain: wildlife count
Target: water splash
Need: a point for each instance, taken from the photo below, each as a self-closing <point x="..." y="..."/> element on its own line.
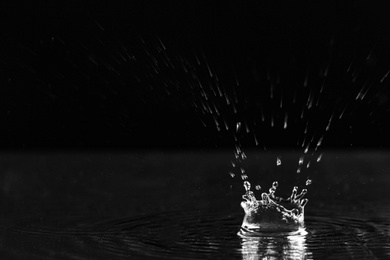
<point x="272" y="213"/>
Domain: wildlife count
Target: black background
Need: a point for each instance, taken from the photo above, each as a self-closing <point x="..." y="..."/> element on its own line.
<point x="58" y="92"/>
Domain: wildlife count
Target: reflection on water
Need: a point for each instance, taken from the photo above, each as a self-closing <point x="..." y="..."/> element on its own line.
<point x="276" y="246"/>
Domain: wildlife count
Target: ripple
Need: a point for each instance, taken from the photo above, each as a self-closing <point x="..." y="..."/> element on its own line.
<point x="199" y="235"/>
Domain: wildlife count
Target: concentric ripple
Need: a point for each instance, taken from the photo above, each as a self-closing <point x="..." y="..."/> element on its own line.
<point x="200" y="235"/>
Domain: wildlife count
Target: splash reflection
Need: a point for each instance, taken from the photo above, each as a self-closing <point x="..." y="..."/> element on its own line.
<point x="291" y="245"/>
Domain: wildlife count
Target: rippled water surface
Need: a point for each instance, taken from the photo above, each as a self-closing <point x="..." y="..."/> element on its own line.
<point x="203" y="225"/>
<point x="194" y="235"/>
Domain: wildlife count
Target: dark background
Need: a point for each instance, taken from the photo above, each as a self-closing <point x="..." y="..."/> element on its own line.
<point x="117" y="84"/>
<point x="65" y="86"/>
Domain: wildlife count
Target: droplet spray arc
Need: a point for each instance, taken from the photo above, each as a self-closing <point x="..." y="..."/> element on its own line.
<point x="272" y="213"/>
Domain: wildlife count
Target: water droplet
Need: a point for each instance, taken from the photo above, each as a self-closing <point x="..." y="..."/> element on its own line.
<point x="319" y="158"/>
<point x="308" y="165"/>
<point x="330" y="121"/>
<point x="243" y="156"/>
<point x="306" y="128"/>
<point x="320" y="141"/>
<point x="275" y="184"/>
<point x="278" y="161"/>
<point x="285" y="121"/>
<point x="242" y="170"/>
<point x="258" y="187"/>
<point x="238" y="127"/>
<point x="244" y="176"/>
<point x="299" y="170"/>
<point x="308" y="182"/>
<point x="232" y="174"/>
<point x="247" y="128"/>
<point x="247" y="185"/>
<point x="385" y="76"/>
<point x="256" y="141"/>
<point x="301" y="160"/>
<point x="305" y="81"/>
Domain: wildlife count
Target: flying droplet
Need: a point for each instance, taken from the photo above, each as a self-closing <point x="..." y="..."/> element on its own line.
<point x="305" y="81"/>
<point x="285" y="121"/>
<point x="226" y="125"/>
<point x="244" y="176"/>
<point x="278" y="161"/>
<point x="306" y="128"/>
<point x="299" y="170"/>
<point x="238" y="151"/>
<point x="320" y="141"/>
<point x="307" y="148"/>
<point x="256" y="141"/>
<point x="232" y="174"/>
<point x="258" y="187"/>
<point x="247" y="128"/>
<point x="385" y="76"/>
<point x="301" y="159"/>
<point x="330" y="121"/>
<point x="308" y="182"/>
<point x="247" y="185"/>
<point x="238" y="127"/>
<point x="319" y="158"/>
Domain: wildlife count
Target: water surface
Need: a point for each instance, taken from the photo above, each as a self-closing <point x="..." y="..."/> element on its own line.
<point x="183" y="206"/>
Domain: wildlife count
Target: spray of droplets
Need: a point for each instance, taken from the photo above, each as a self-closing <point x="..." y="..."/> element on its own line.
<point x="277" y="106"/>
